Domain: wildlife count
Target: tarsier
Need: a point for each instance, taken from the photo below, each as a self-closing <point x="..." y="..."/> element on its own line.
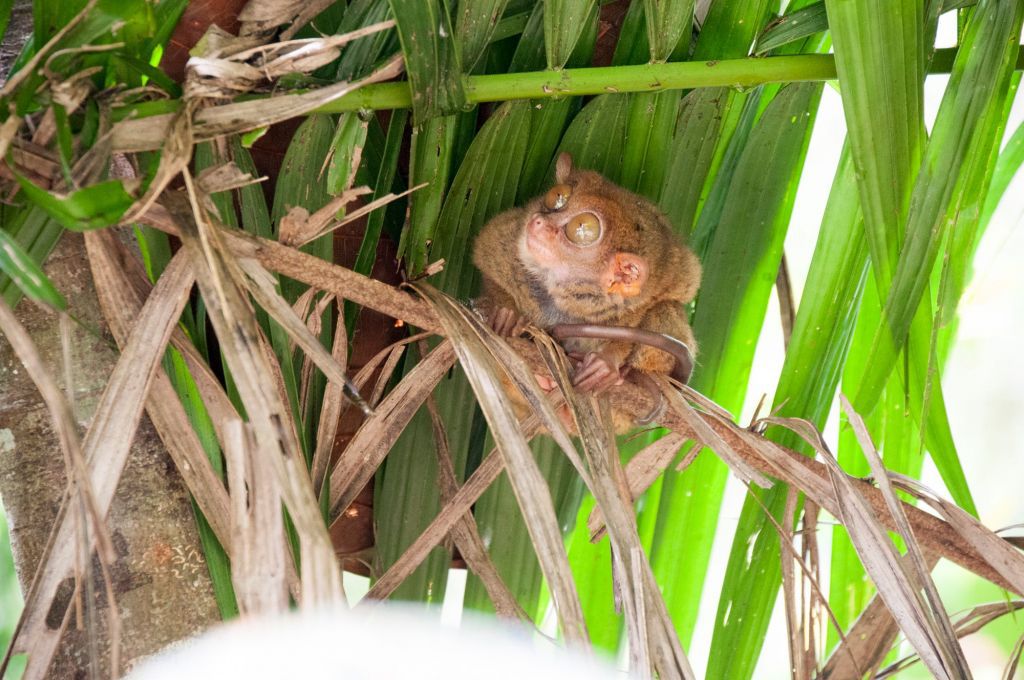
<point x="590" y="252"/>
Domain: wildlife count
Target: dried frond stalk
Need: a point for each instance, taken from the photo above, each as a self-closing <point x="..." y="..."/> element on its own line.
<point x="146" y="134"/>
<point x="121" y="288"/>
<point x="221" y="282"/>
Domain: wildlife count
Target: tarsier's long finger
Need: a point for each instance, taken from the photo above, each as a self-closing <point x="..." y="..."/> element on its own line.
<point x="588" y="367"/>
<point x="519" y="327"/>
<point x="598" y="383"/>
<point x="614" y="379"/>
<point x="502" y="321"/>
<point x="596" y="375"/>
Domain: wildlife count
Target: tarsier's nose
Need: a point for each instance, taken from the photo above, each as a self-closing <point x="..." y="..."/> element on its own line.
<point x="538" y="226"/>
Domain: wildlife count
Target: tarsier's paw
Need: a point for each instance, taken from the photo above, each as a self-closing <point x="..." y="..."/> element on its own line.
<point x="507" y="323"/>
<point x="596" y="374"/>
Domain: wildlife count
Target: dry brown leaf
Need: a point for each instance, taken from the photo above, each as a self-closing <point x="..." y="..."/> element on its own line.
<point x="258" y="548"/>
<point x="224" y="177"/>
<point x="298" y="227"/>
<point x="328" y="227"/>
<point x="331" y="407"/>
<point x="967" y="624"/>
<point x="468" y="494"/>
<point x="868" y="642"/>
<point x="528" y="484"/>
<point x="69" y="91"/>
<point x="118" y="278"/>
<point x="654" y="644"/>
<point x="386" y="372"/>
<point x="707" y="435"/>
<point x="524" y="379"/>
<point x="153" y="132"/>
<point x="263" y="287"/>
<point x="1003" y="557"/>
<point x="9" y="130"/>
<point x="802" y="653"/>
<point x="177" y="140"/>
<point x="313" y="271"/>
<point x="1010" y="671"/>
<point x="223" y="65"/>
<point x="314" y="324"/>
<point x="260" y="16"/>
<point x="882" y="562"/>
<point x="35" y="163"/>
<point x="641" y="471"/>
<point x="916" y="567"/>
<point x="384" y="357"/>
<point x="465" y="534"/>
<point x="378" y="433"/>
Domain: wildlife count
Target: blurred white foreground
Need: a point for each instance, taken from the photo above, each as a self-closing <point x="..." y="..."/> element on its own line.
<point x="382" y="642"/>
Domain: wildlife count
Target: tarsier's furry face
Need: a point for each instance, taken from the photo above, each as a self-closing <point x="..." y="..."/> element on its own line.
<point x="592" y="246"/>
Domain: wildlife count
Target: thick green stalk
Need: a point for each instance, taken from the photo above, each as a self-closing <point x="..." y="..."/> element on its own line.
<point x="587" y="81"/>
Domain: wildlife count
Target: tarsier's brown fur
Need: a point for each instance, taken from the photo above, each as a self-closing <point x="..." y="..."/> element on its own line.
<point x="636" y="273"/>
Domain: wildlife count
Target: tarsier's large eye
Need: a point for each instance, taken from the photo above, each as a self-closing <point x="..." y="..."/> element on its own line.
<point x="557" y="196"/>
<point x="584" y="229"/>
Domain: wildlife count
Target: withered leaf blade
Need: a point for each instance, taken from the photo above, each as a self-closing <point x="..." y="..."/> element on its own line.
<point x="378" y="433"/>
<point x="264" y="290"/>
<point x="259" y="551"/>
<point x="527" y="483"/>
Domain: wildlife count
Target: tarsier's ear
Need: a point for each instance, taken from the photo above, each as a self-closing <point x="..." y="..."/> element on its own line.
<point x="627" y="274"/>
<point x="563" y="167"/>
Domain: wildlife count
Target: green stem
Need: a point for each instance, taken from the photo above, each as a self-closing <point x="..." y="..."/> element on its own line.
<point x="589" y="81"/>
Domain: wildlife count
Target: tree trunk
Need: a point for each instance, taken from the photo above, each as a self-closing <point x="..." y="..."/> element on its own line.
<point x="160" y="578"/>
